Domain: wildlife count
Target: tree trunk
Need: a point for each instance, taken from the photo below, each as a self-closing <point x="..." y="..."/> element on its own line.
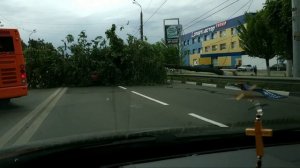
<point x="268" y="67"/>
<point x="289" y="72"/>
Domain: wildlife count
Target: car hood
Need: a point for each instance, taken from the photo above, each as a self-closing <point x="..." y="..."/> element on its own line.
<point x="118" y="137"/>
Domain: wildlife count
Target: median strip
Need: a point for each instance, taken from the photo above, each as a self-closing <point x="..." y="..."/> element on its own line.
<point x="29" y="132"/>
<point x="191" y="83"/>
<point x="208" y="120"/>
<point x="209" y="85"/>
<point x="149" y="98"/>
<point x="27" y="119"/>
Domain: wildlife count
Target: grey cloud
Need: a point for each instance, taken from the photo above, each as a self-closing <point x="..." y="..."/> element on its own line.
<point x="54" y="22"/>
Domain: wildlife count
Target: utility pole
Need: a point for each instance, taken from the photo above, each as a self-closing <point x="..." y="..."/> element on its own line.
<point x="296" y="37"/>
<point x="141" y="19"/>
<point x="142" y="31"/>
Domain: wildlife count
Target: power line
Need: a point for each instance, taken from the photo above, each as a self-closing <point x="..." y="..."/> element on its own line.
<point x="137" y="30"/>
<point x="149" y="4"/>
<point x="14" y="25"/>
<point x="58" y="24"/>
<point x="249" y="6"/>
<point x="22" y="21"/>
<point x="243" y="6"/>
<point x="203" y="14"/>
<point x="156" y="11"/>
<point x="7" y="22"/>
<point x="212" y="14"/>
<point x="151" y="15"/>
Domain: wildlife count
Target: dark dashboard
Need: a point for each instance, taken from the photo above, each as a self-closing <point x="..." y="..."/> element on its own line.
<point x="164" y="149"/>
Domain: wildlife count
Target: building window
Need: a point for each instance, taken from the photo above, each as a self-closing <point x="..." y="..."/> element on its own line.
<point x="214" y="47"/>
<point x="233" y="44"/>
<point x="199" y="39"/>
<point x="205" y="37"/>
<point x="234" y="31"/>
<point x="239" y="44"/>
<point x="199" y="50"/>
<point x="223" y="46"/>
<point x="193" y="41"/>
<point x="222" y="33"/>
<point x="188" y="52"/>
<point x="194" y="50"/>
<point x="214" y="35"/>
<point x="184" y="43"/>
<point x="208" y="37"/>
<point x="188" y="42"/>
<point x="207" y="49"/>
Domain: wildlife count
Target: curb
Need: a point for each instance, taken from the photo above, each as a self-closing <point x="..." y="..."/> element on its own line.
<point x="281" y="92"/>
<point x="295" y="94"/>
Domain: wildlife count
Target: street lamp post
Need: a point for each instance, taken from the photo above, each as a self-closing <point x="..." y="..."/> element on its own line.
<point x="141" y="19"/>
<point x="33" y="31"/>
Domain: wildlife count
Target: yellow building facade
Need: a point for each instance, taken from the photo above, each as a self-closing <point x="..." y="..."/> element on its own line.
<point x="217" y="45"/>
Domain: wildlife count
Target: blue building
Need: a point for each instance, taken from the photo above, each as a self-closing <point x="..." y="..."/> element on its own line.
<point x="216" y="45"/>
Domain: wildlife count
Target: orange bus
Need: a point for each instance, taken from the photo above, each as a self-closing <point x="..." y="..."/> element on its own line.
<point x="13" y="81"/>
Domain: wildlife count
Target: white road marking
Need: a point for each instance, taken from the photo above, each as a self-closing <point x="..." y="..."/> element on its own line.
<point x="29" y="132"/>
<point x="26" y="120"/>
<point x="177" y="81"/>
<point x="152" y="99"/>
<point x="232" y="88"/>
<point x="191" y="83"/>
<point x="207" y="120"/>
<point x="209" y="85"/>
<point x="122" y="87"/>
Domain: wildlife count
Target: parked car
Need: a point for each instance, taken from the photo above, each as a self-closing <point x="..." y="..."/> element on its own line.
<point x="279" y="67"/>
<point x="245" y="68"/>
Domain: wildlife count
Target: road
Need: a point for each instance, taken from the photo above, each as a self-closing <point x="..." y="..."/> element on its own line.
<point x="60" y="112"/>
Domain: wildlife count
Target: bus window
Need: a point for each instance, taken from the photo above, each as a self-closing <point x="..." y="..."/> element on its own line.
<point x="6" y="44"/>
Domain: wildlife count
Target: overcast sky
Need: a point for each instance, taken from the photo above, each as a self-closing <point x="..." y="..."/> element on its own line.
<point x="54" y="19"/>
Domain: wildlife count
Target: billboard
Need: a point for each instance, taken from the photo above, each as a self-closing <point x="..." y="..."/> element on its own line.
<point x="172" y="33"/>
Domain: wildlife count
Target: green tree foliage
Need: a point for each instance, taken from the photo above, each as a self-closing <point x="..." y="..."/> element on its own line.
<point x="279" y="19"/>
<point x="101" y="61"/>
<point x="44" y="64"/>
<point x="278" y="15"/>
<point x="171" y="53"/>
<point x="271" y="27"/>
<point x="256" y="39"/>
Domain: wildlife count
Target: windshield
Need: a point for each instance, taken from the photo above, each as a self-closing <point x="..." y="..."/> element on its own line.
<point x="98" y="67"/>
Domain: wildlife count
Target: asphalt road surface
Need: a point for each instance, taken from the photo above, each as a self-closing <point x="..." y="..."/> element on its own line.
<point x="61" y="112"/>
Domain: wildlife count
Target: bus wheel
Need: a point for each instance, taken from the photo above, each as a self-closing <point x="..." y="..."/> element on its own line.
<point x="4" y="101"/>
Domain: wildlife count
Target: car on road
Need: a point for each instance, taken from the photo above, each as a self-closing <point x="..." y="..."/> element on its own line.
<point x="245" y="68"/>
<point x="278" y="67"/>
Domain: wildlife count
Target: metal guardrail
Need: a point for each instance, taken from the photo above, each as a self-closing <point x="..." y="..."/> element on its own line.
<point x="285" y="83"/>
<point x="249" y="78"/>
